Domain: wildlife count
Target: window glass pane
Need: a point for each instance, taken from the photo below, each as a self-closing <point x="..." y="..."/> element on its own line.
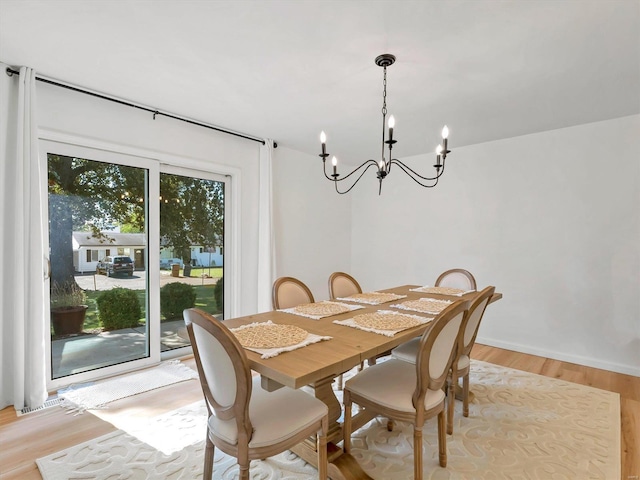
<point x="191" y="234"/>
<point x="92" y="204"/>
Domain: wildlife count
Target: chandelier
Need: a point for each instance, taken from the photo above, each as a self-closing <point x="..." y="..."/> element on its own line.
<point x="384" y="165"/>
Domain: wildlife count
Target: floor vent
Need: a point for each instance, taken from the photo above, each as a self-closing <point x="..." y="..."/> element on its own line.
<point x="49" y="403"/>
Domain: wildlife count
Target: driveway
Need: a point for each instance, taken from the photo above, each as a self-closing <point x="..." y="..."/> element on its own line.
<point x="91" y="281"/>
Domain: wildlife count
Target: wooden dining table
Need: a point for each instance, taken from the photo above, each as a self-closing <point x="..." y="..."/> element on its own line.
<point x="316" y="366"/>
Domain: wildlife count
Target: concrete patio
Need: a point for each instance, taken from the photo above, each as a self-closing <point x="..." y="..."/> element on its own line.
<point x="75" y="354"/>
<point x="89" y="351"/>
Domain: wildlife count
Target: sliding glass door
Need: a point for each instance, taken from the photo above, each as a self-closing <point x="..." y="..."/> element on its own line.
<point x="98" y="223"/>
<point x="192" y="219"/>
<point x="131" y="244"/>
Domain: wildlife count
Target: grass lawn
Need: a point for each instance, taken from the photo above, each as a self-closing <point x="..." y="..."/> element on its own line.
<point x="213" y="272"/>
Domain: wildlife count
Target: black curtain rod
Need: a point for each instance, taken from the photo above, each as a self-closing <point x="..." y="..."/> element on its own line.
<point x="12" y="72"/>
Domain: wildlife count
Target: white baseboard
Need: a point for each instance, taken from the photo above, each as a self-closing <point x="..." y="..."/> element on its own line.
<point x="577" y="359"/>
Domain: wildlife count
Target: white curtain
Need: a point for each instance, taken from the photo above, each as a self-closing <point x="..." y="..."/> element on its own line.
<point x="22" y="294"/>
<point x="266" y="241"/>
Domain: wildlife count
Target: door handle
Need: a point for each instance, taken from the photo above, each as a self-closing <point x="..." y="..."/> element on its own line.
<point x="47" y="273"/>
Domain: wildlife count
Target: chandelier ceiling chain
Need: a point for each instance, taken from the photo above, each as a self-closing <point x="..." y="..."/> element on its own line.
<point x="384" y="166"/>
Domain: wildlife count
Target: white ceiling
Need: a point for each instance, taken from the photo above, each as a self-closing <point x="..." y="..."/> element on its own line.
<point x="288" y="69"/>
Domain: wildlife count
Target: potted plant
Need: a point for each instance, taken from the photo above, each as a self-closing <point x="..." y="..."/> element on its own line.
<point x="68" y="308"/>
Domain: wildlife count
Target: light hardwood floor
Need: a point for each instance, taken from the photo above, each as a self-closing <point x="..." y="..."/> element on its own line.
<point x="25" y="438"/>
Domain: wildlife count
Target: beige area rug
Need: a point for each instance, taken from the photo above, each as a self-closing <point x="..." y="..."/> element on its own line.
<point x="521" y="426"/>
<point x="99" y="395"/>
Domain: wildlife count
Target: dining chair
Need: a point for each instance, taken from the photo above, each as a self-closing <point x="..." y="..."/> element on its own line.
<point x="289" y="292"/>
<point x="342" y="285"/>
<point x="462" y="366"/>
<point x="457" y="278"/>
<point x="407" y="392"/>
<point x="244" y="420"/>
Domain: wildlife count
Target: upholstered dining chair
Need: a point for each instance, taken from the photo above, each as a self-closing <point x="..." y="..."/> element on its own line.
<point x="407" y="392"/>
<point x="246" y="421"/>
<point x="289" y="292"/>
<point x="462" y="366"/>
<point x="457" y="278"/>
<point x="342" y="285"/>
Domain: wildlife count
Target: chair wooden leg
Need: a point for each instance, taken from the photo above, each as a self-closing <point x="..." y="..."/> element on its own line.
<point x="244" y="472"/>
<point x="417" y="453"/>
<point x="321" y="447"/>
<point x="208" y="458"/>
<point x="465" y="395"/>
<point x="346" y="426"/>
<point x="243" y="460"/>
<point x="340" y="381"/>
<point x="451" y="400"/>
<point x="442" y="439"/>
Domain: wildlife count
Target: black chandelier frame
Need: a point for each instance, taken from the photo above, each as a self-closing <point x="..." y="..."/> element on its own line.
<point x="384" y="165"/>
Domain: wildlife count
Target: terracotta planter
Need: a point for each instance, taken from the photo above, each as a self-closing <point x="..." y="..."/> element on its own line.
<point x="68" y="320"/>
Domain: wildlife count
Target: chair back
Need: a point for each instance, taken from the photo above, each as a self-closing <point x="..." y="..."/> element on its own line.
<point x="342" y="285"/>
<point x="289" y="292"/>
<point x="457" y="278"/>
<point x="438" y="348"/>
<point x="476" y="311"/>
<point x="223" y="368"/>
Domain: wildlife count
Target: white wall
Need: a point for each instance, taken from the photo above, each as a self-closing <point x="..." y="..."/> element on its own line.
<point x="312" y="222"/>
<point x="187" y="145"/>
<point x="551" y="219"/>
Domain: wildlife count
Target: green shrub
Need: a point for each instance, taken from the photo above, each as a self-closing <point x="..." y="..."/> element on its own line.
<point x="176" y="297"/>
<point x="218" y="293"/>
<point x="118" y="308"/>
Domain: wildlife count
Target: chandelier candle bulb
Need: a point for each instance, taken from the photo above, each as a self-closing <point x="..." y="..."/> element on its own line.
<point x="445" y="136"/>
<point x="392" y="123"/>
<point x="323" y="140"/>
<point x="438" y="153"/>
<point x="334" y="162"/>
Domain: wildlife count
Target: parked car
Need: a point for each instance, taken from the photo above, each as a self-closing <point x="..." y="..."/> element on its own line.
<point x="112" y="265"/>
<point x="165" y="263"/>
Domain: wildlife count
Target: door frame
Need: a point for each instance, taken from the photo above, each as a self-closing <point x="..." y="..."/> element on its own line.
<point x="93" y="149"/>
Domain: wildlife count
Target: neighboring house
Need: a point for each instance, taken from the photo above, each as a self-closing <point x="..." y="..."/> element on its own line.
<point x="207" y="256"/>
<point x="200" y="256"/>
<point x="88" y="250"/>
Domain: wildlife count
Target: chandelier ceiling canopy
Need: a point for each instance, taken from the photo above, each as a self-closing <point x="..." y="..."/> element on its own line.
<point x="383" y="166"/>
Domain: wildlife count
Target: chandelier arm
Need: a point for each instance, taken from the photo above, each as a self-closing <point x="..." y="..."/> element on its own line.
<point x="359" y="177"/>
<point x="412" y="175"/>
<point x="408" y="169"/>
<point x="368" y="162"/>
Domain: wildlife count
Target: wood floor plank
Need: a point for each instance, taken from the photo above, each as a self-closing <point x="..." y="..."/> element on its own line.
<point x="24" y="439"/>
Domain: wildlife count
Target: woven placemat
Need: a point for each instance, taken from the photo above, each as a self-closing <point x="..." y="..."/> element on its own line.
<point x="441" y="290"/>
<point x="270" y="335"/>
<point x="374" y="298"/>
<point x="425" y="305"/>
<point x="324" y="309"/>
<point x="385" y="321"/>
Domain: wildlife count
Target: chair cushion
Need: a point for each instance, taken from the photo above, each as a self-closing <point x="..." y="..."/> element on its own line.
<point x="464" y="362"/>
<point x="275" y="416"/>
<point x="391" y="384"/>
<point x="407" y="351"/>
